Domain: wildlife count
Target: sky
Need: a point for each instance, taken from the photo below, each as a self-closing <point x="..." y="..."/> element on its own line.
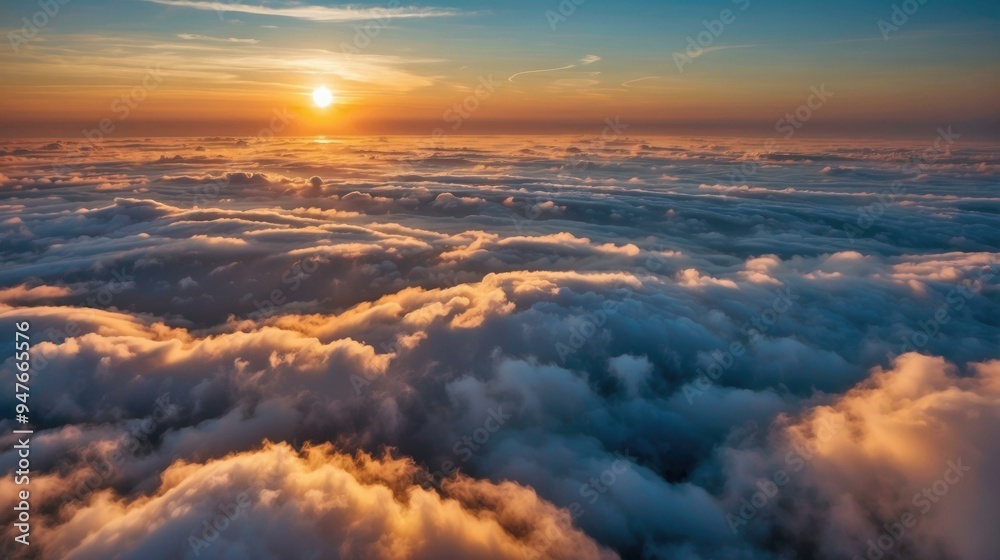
<point x="730" y="301"/>
<point x="225" y="67"/>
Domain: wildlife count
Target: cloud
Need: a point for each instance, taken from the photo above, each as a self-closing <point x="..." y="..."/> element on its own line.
<point x="499" y="346"/>
<point x="567" y="67"/>
<point x="715" y="48"/>
<point x="23" y="294"/>
<point x="193" y="37"/>
<point x="315" y="13"/>
<point x="589" y="59"/>
<point x="129" y="59"/>
<point x="912" y="440"/>
<point x="319" y="500"/>
<point x="629" y="83"/>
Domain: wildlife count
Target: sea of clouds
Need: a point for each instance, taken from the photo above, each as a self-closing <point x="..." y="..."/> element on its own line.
<point x="509" y="347"/>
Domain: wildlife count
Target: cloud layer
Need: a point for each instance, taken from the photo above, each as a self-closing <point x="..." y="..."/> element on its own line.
<point x="504" y="347"/>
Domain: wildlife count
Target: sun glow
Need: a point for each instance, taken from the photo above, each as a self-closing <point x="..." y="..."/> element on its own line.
<point x="322" y="97"/>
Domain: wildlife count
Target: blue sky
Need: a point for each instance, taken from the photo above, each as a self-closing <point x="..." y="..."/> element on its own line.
<point x="940" y="65"/>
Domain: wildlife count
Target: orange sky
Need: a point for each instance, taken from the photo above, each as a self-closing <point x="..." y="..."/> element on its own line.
<point x="413" y="73"/>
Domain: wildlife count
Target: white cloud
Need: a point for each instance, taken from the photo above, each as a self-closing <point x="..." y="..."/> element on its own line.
<point x="315" y="13"/>
<point x="192" y="37"/>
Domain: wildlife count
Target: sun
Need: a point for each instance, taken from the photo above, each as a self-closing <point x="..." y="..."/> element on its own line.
<point x="322" y="96"/>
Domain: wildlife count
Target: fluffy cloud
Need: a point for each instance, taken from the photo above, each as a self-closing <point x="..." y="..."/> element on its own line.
<point x="501" y="347"/>
<point x="911" y="449"/>
<point x="314" y="502"/>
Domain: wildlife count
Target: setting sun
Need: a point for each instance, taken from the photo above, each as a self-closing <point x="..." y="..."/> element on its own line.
<point x="523" y="280"/>
<point x="322" y="97"/>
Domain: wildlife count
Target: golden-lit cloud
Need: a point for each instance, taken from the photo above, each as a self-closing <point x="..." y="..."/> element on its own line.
<point x="871" y="455"/>
<point x="317" y="500"/>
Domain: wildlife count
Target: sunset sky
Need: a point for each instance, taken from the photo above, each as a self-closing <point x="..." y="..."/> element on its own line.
<point x="227" y="66"/>
<point x="513" y="280"/>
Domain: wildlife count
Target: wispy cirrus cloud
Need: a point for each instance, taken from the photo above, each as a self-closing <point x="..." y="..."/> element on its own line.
<point x="715" y="48"/>
<point x="219" y="62"/>
<point x="589" y="59"/>
<point x="628" y="84"/>
<point x="316" y="13"/>
<point x="567" y="67"/>
<point x="193" y="37"/>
